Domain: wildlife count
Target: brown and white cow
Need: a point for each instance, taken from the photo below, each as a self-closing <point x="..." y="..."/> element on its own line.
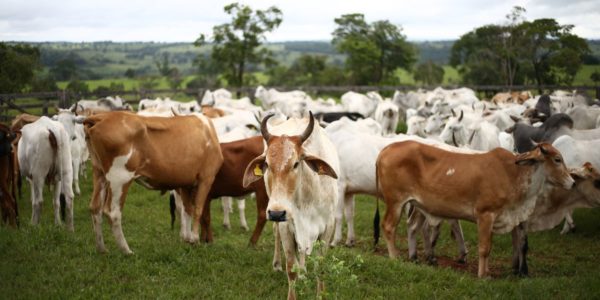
<point x="496" y="189"/>
<point x="159" y="153"/>
<point x="8" y="202"/>
<point x="299" y="166"/>
<point x="229" y="183"/>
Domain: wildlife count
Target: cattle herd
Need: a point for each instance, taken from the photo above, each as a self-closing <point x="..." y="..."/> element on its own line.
<point x="514" y="163"/>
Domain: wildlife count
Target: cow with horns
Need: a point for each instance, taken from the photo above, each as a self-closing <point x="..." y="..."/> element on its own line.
<point x="299" y="166"/>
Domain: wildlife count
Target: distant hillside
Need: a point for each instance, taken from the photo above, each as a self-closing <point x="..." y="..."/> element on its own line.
<point x="96" y="60"/>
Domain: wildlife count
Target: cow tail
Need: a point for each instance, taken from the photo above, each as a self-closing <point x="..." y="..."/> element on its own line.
<point x="172" y="208"/>
<point x="11" y="176"/>
<point x="66" y="165"/>
<point x="376" y="219"/>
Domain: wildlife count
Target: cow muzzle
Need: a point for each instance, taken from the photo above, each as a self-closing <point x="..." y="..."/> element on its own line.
<point x="277" y="215"/>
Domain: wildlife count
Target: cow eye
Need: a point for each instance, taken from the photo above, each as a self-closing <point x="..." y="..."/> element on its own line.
<point x="558" y="160"/>
<point x="296" y="165"/>
<point x="265" y="165"/>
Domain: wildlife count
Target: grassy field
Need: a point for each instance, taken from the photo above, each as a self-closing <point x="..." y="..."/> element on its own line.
<point x="48" y="262"/>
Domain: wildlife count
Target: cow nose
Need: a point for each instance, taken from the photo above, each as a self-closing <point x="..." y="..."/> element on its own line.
<point x="276" y="215"/>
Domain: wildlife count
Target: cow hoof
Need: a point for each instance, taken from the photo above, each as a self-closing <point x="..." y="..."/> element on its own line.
<point x="432" y="261"/>
<point x="414" y="259"/>
<point x="101" y="250"/>
<point x="245" y="228"/>
<point x="227" y="226"/>
<point x="462" y="260"/>
<point x="350" y="243"/>
<point x="192" y="240"/>
<point x="277" y="267"/>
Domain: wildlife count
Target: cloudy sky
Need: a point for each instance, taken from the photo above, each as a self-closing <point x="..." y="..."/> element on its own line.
<point x="184" y="20"/>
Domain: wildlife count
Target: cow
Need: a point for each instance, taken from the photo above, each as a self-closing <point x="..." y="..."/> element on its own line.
<point x="551" y="129"/>
<point x="358" y="145"/>
<point x="496" y="189"/>
<point x="388" y="116"/>
<point x="44" y="153"/>
<point x="584" y="117"/>
<point x="228" y="183"/>
<point x="8" y="201"/>
<point x="180" y="152"/>
<point x="576" y="153"/>
<point x="79" y="154"/>
<point x="299" y="166"/>
<point x="326" y="118"/>
<point x="359" y="103"/>
<point x="17" y="123"/>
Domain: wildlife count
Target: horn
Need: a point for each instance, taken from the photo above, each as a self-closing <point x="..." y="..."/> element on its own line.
<point x="263" y="128"/>
<point x="461" y="116"/>
<point x="175" y="113"/>
<point x="311" y="124"/>
<point x="74" y="108"/>
<point x="453" y="113"/>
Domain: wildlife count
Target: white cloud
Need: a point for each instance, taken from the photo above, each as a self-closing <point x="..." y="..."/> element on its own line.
<point x="184" y="20"/>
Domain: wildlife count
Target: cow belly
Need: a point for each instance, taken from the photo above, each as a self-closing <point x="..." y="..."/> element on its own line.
<point x="514" y="215"/>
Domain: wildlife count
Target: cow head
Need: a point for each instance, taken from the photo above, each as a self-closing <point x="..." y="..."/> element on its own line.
<point x="587" y="180"/>
<point x="285" y="165"/>
<point x="551" y="159"/>
<point x="455" y="133"/>
<point x="69" y="119"/>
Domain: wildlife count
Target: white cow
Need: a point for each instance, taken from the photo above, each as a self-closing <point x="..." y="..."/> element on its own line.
<point x="300" y="166"/>
<point x="45" y="154"/>
<point x="79" y="152"/>
<point x="388" y="116"/>
<point x="270" y="97"/>
<point x="213" y="98"/>
<point x="359" y="103"/>
<point x="576" y="153"/>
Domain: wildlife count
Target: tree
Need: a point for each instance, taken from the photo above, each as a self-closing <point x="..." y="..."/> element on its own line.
<point x="236" y="45"/>
<point x="78" y="86"/>
<point x="595" y="77"/>
<point x="542" y="52"/>
<point x="163" y="65"/>
<point x="374" y="51"/>
<point x="130" y="73"/>
<point x="305" y="70"/>
<point x="174" y="78"/>
<point x="553" y="54"/>
<point x="18" y="64"/>
<point x="429" y="73"/>
<point x="65" y="69"/>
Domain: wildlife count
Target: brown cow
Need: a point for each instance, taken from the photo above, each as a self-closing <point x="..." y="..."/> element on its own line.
<point x="159" y="153"/>
<point x="497" y="190"/>
<point x="17" y="123"/>
<point x="8" y="203"/>
<point x="228" y="182"/>
<point x="212" y="112"/>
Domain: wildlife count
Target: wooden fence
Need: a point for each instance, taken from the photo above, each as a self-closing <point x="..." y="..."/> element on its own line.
<point x="43" y="103"/>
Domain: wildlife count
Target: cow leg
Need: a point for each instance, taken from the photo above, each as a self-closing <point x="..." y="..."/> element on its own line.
<point x="484" y="232"/>
<point x="37" y="197"/>
<point x="206" y="234"/>
<point x="415" y="221"/>
<point x="226" y="203"/>
<point x="262" y="201"/>
<point x="390" y="223"/>
<point x="56" y="202"/>
<point x="242" y="211"/>
<point x="520" y="248"/>
<point x="457" y="234"/>
<point x="349" y="214"/>
<point x="118" y="194"/>
<point x="569" y="223"/>
<point x="69" y="216"/>
<point x="339" y="218"/>
<point x="96" y="204"/>
<point x="431" y="233"/>
<point x="277" y="250"/>
<point x="76" y="165"/>
<point x="185" y="211"/>
<point x="199" y="199"/>
<point x="289" y="248"/>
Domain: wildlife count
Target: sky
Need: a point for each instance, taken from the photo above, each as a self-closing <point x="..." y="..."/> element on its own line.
<point x="303" y="20"/>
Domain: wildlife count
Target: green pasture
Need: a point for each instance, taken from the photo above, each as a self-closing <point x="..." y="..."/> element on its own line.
<point x="47" y="262"/>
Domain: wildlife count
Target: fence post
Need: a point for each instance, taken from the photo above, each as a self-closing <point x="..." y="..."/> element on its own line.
<point x="597" y="92"/>
<point x="45" y="107"/>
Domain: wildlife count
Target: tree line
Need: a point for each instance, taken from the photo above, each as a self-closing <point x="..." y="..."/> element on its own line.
<point x="540" y="51"/>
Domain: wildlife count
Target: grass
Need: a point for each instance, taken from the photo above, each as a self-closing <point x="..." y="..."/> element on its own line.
<point x="48" y="262"/>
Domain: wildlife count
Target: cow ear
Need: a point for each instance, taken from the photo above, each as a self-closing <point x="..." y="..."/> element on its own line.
<point x="55" y="117"/>
<point x="529" y="158"/>
<point x="320" y="166"/>
<point x="254" y="171"/>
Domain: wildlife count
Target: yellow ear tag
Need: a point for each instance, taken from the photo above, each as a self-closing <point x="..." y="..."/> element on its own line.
<point x="257" y="170"/>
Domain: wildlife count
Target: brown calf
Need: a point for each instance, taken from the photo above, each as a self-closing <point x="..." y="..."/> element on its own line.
<point x="497" y="190"/>
<point x="228" y="182"/>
